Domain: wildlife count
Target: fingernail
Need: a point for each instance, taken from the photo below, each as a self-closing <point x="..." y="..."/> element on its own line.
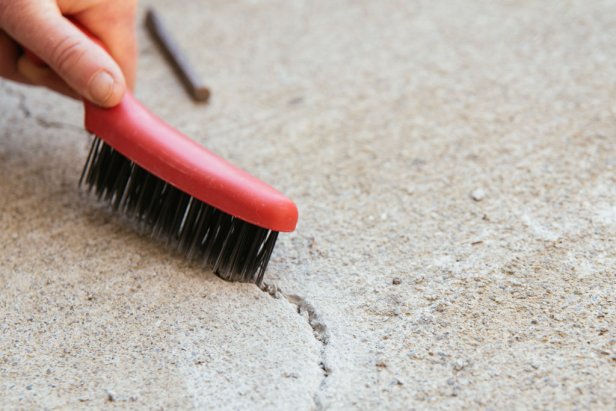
<point x="101" y="87"/>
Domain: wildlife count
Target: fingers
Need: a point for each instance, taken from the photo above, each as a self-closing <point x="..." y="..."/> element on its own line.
<point x="16" y="67"/>
<point x="113" y="22"/>
<point x="80" y="62"/>
<point x="9" y="53"/>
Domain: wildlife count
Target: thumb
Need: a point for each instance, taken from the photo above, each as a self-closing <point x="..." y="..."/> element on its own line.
<point x="80" y="62"/>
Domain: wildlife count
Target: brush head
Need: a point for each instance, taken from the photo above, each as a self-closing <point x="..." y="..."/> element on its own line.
<point x="234" y="249"/>
<point x="180" y="192"/>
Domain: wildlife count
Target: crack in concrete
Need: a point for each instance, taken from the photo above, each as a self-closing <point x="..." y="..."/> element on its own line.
<point x="23" y="107"/>
<point x="56" y="124"/>
<point x="319" y="331"/>
<point x="21" y="104"/>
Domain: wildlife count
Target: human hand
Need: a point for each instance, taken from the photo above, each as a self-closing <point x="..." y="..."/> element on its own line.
<point x="77" y="66"/>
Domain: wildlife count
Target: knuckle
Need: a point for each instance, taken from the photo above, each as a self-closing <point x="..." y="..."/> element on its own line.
<point x="125" y="10"/>
<point x="129" y="5"/>
<point x="66" y="54"/>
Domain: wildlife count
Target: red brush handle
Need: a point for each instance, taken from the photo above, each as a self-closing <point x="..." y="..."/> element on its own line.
<point x="165" y="152"/>
<point x="145" y="139"/>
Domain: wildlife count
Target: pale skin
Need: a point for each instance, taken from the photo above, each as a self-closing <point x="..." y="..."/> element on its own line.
<point x="76" y="65"/>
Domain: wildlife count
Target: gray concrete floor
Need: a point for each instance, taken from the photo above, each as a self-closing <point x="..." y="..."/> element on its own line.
<point x="466" y="149"/>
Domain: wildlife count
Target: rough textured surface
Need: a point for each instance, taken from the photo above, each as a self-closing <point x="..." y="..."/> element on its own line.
<point x="454" y="164"/>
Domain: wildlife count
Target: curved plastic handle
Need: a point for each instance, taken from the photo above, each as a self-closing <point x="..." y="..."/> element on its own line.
<point x="170" y="155"/>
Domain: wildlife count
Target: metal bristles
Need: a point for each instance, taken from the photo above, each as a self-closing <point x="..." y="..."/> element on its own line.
<point x="234" y="249"/>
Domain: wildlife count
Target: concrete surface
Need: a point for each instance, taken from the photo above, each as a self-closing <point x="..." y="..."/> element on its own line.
<point x="454" y="164"/>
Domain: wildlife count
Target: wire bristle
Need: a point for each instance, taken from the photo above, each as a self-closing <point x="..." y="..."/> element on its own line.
<point x="234" y="249"/>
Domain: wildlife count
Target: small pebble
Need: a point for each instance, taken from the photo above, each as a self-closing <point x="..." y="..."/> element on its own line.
<point x="396" y="381"/>
<point x="396" y="281"/>
<point x="478" y="194"/>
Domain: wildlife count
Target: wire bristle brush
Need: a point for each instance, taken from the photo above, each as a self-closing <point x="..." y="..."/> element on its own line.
<point x="180" y="192"/>
<point x="177" y="190"/>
